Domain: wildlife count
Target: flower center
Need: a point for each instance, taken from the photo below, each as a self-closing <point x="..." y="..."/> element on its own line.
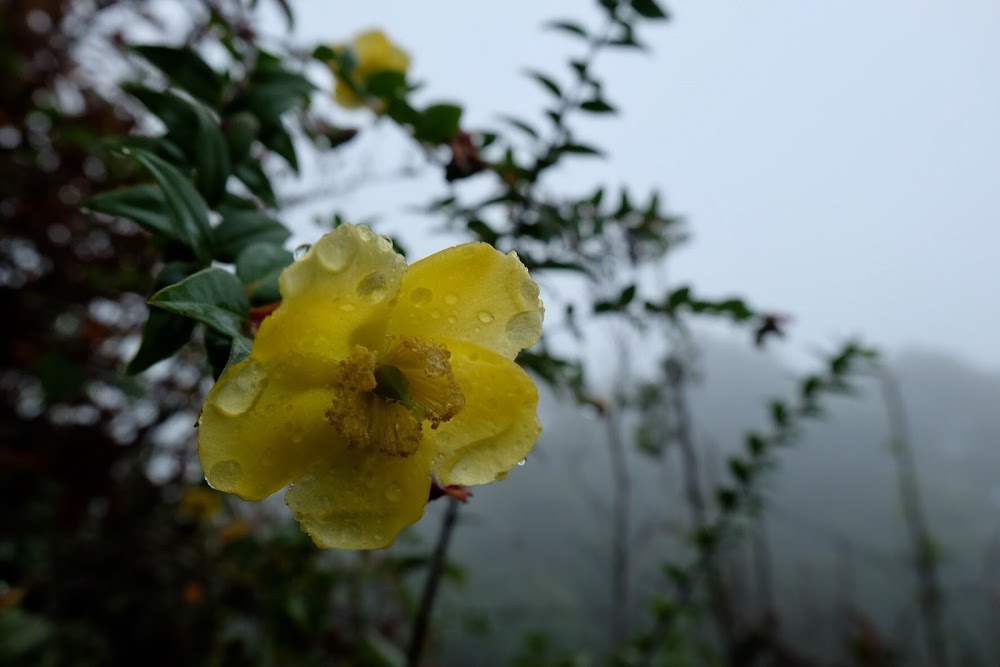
<point x="383" y="400"/>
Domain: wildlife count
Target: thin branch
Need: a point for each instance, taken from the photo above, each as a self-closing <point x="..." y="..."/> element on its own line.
<point x="422" y="621"/>
<point x="929" y="593"/>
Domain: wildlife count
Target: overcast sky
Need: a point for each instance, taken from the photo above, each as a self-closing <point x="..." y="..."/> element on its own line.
<point x="836" y="161"/>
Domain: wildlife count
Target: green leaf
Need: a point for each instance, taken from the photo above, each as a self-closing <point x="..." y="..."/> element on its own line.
<point x="568" y="27"/>
<point x="211" y="156"/>
<point x="324" y="54"/>
<point x="387" y="84"/>
<point x="648" y="9"/>
<point x="755" y="444"/>
<point x="271" y="91"/>
<point x="625" y="298"/>
<point x="579" y="149"/>
<point x="597" y="106"/>
<point x="438" y="123"/>
<point x="545" y="81"/>
<point x="224" y="351"/>
<point x="258" y="267"/>
<point x="257" y="182"/>
<point x="143" y="204"/>
<point x="188" y="210"/>
<point x="241" y="129"/>
<point x="212" y="296"/>
<point x="177" y="114"/>
<point x="728" y="498"/>
<point x="521" y="125"/>
<point x="679" y="297"/>
<point x="276" y="138"/>
<point x="164" y="332"/>
<point x="186" y="70"/>
<point x="739" y="469"/>
<point x="240" y="229"/>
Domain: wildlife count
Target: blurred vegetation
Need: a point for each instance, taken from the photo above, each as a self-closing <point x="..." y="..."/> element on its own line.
<point x="138" y="172"/>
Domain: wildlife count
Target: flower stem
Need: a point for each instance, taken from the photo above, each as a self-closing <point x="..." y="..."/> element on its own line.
<point x="422" y="621"/>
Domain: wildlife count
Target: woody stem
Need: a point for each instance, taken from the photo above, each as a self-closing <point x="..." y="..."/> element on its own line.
<point x="421" y="623"/>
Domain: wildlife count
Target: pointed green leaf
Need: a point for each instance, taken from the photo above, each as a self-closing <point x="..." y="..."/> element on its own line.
<point x="545" y="81"/>
<point x="188" y="210"/>
<point x="240" y="229"/>
<point x="211" y="156"/>
<point x="597" y="106"/>
<point x="272" y="91"/>
<point x="276" y="138"/>
<point x="212" y="296"/>
<point x="438" y="123"/>
<point x="186" y="70"/>
<point x="164" y="333"/>
<point x="241" y="129"/>
<point x="224" y="351"/>
<point x="648" y="9"/>
<point x="579" y="149"/>
<point x="259" y="266"/>
<point x="568" y="27"/>
<point x="257" y="182"/>
<point x="521" y="125"/>
<point x="143" y="204"/>
<point x="176" y="113"/>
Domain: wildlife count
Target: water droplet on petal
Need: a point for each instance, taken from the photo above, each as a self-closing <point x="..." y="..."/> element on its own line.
<point x="335" y="255"/>
<point x="436" y="314"/>
<point x="393" y="493"/>
<point x="353" y="530"/>
<point x="225" y="476"/>
<point x="239" y="391"/>
<point x="530" y="291"/>
<point x="522" y="462"/>
<point x="451" y="299"/>
<point x="300" y="252"/>
<point x="524" y="328"/>
<point x="348" y="307"/>
<point x="451" y="319"/>
<point x="373" y="287"/>
<point x="420" y="296"/>
<point x="485" y="316"/>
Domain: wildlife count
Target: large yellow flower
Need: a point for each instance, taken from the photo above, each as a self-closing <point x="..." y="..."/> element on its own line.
<point x="371" y="53"/>
<point x="370" y="377"/>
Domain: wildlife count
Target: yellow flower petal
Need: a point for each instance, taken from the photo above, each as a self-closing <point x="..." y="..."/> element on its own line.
<point x="375" y="53"/>
<point x="338" y="295"/>
<point x="496" y="429"/>
<point x="346" y="97"/>
<point x="257" y="432"/>
<point x="471" y="293"/>
<point x="361" y="500"/>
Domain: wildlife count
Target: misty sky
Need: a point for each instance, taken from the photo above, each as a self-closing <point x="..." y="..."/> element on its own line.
<point x="835" y="161"/>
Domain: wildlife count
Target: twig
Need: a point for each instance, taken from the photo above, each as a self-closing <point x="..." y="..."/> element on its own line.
<point x="421" y="623"/>
<point x="929" y="594"/>
<point x="620" y="528"/>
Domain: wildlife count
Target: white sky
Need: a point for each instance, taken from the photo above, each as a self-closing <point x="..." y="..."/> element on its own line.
<point x="835" y="161"/>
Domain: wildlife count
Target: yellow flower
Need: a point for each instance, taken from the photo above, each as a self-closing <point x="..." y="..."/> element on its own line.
<point x="371" y="53"/>
<point x="200" y="504"/>
<point x="370" y="377"/>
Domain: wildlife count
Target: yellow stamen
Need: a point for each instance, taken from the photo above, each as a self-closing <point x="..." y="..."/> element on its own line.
<point x="384" y="402"/>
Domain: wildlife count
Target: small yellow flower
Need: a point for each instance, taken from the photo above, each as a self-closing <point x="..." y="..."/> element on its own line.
<point x="200" y="504"/>
<point x="371" y="52"/>
<point x="370" y="377"/>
